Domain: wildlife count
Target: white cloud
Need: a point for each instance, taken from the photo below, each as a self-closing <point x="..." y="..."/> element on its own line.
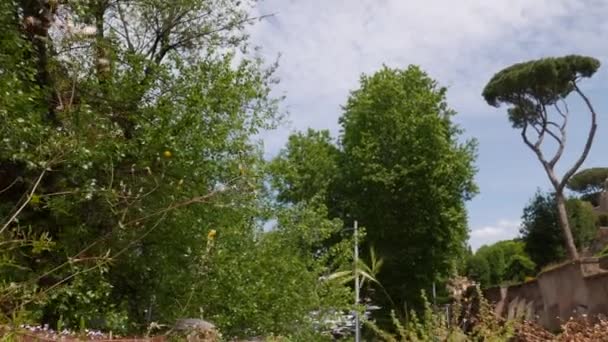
<point x="326" y="44"/>
<point x="501" y="230"/>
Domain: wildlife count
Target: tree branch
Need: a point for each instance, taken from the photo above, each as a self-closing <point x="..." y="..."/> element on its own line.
<point x="163" y="52"/>
<point x="162" y="213"/>
<point x="27" y="200"/>
<point x="524" y="135"/>
<point x="125" y="27"/>
<point x="561" y="141"/>
<point x="588" y="143"/>
<point x="539" y="154"/>
<point x="10" y="185"/>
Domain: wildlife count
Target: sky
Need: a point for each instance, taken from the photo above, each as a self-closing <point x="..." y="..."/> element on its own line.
<point x="325" y="45"/>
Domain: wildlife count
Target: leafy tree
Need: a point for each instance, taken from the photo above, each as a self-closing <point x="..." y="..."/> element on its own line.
<point x="273" y="283"/>
<point x="589" y="182"/>
<point x="306" y="167"/>
<point x="400" y="169"/>
<point x="406" y="177"/>
<point x="532" y="89"/>
<point x="497" y="262"/>
<point x="131" y="189"/>
<point x="540" y="229"/>
<point x="478" y="269"/>
<point x="506" y="260"/>
<point x="520" y="267"/>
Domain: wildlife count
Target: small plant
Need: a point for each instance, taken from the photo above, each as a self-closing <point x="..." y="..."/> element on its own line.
<point x="470" y="320"/>
<point x="489" y="326"/>
<point x="432" y="325"/>
<point x="603" y="252"/>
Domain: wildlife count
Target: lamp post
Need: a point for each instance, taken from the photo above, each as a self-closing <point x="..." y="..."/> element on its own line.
<point x="356" y="274"/>
<point x="356" y="270"/>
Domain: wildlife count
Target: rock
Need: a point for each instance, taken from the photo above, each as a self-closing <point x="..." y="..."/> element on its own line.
<point x="186" y="324"/>
<point x="197" y="330"/>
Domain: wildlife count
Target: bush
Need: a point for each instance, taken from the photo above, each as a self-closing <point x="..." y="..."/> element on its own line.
<point x="471" y="320"/>
<point x="542" y="235"/>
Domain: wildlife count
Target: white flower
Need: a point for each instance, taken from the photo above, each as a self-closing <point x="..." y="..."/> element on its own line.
<point x="88" y="30"/>
<point x="103" y="62"/>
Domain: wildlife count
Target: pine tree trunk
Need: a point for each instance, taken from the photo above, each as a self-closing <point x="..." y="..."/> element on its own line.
<point x="565" y="226"/>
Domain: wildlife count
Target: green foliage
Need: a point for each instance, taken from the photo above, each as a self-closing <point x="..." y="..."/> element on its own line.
<point x="430" y="326"/>
<point x="400" y="170"/>
<point x="478" y="269"/>
<point x="541" y="233"/>
<point x="306" y="167"/>
<point x="589" y="181"/>
<point x="131" y="187"/>
<point x="433" y="325"/>
<point x="366" y="273"/>
<point x="272" y="284"/>
<point x="520" y="268"/>
<point x="582" y="217"/>
<point x="489" y="327"/>
<point x="88" y="299"/>
<point x="504" y="261"/>
<point x="406" y="176"/>
<point x="496" y="261"/>
<point x="546" y="80"/>
<point x="603" y="252"/>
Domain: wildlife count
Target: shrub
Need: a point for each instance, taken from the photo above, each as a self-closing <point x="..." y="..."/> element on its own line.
<point x="434" y="325"/>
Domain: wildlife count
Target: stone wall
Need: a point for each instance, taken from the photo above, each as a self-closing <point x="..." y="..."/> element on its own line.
<point x="603" y="207"/>
<point x="557" y="294"/>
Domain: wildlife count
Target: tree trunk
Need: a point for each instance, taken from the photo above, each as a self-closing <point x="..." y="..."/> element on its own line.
<point x="565" y="226"/>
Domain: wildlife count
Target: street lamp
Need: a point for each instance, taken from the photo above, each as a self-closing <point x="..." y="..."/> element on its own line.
<point x="356" y="274"/>
<point x="356" y="259"/>
<point x="355" y="230"/>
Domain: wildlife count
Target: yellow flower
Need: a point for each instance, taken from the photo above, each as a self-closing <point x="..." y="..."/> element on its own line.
<point x="211" y="235"/>
<point x="167" y="154"/>
<point x="35" y="199"/>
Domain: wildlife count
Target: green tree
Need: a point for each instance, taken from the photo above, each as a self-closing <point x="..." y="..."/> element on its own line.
<point x="497" y="261"/>
<point x="478" y="269"/>
<point x="131" y="188"/>
<point x="406" y="177"/>
<point x="541" y="233"/>
<point x="520" y="267"/>
<point x="273" y="283"/>
<point x="400" y="169"/>
<point x="507" y="261"/>
<point x="589" y="183"/>
<point x="306" y="167"/>
<point x="532" y="89"/>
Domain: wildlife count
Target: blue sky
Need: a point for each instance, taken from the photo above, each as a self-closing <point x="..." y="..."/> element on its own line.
<point x="325" y="45"/>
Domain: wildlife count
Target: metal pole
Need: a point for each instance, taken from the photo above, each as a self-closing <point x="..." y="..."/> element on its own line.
<point x="357" y="331"/>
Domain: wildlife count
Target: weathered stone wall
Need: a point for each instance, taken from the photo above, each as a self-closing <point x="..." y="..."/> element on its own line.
<point x="603" y="207"/>
<point x="557" y="294"/>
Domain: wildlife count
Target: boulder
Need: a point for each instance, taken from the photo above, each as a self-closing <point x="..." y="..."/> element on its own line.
<point x="196" y="330"/>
